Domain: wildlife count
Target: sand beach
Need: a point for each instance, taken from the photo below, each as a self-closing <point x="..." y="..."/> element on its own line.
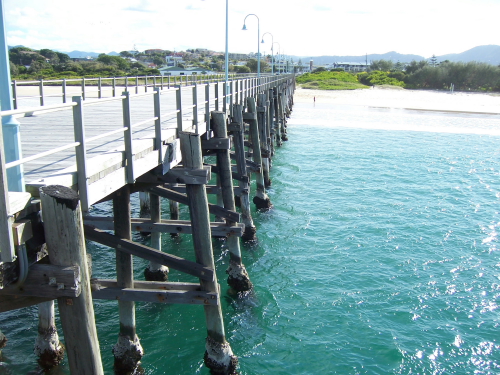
<point x="395" y="97"/>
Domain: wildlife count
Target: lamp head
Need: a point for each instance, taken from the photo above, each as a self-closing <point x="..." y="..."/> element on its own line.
<point x="244" y="27"/>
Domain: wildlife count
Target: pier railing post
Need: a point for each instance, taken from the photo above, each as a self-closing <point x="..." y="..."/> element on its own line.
<point x="14" y="94"/>
<point x="127" y="137"/>
<point x="128" y="350"/>
<point x="178" y="103"/>
<point x="218" y="356"/>
<point x="261" y="199"/>
<point x="195" y="107"/>
<point x="238" y="278"/>
<point x="216" y="96"/>
<point x="64" y="90"/>
<point x="80" y="151"/>
<point x="83" y="88"/>
<point x="237" y="129"/>
<point x="66" y="246"/>
<point x="42" y="102"/>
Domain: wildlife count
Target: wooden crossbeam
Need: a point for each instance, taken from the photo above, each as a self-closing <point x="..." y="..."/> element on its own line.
<point x="218" y="229"/>
<point x="216" y="144"/>
<point x="177" y="175"/>
<point x="211" y="189"/>
<point x="10" y="302"/>
<point x="187" y="176"/>
<point x="47" y="281"/>
<point x="234" y="173"/>
<point x="249" y="163"/>
<point x="149" y="253"/>
<point x="249" y="116"/>
<point x="182" y="198"/>
<point x="159" y="292"/>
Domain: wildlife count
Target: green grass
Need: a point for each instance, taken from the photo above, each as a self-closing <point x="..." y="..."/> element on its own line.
<point x="333" y="84"/>
<point x="330" y="81"/>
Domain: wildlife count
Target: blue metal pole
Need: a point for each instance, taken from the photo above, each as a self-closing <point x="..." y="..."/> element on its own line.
<point x="10" y="126"/>
<point x="226" y="67"/>
<point x="258" y="46"/>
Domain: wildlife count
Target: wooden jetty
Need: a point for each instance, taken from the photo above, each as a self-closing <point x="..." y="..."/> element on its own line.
<point x="151" y="139"/>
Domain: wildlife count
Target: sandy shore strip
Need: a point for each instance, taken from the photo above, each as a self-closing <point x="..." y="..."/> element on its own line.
<point x="384" y="97"/>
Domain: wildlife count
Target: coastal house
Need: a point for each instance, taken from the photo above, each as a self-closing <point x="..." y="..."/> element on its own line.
<point x="174" y="60"/>
<point x="351" y="66"/>
<point x="177" y="71"/>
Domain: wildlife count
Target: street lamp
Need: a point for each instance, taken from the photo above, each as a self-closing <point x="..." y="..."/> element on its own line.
<point x="226" y="64"/>
<point x="279" y="61"/>
<point x="272" y="50"/>
<point x="258" y="39"/>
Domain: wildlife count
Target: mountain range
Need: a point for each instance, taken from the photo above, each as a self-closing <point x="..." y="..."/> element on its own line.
<point x="488" y="54"/>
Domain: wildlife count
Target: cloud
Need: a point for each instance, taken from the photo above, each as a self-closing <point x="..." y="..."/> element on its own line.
<point x="143" y="6"/>
<point x="322" y="8"/>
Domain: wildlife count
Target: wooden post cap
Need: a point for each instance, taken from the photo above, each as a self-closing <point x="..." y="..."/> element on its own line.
<point x="62" y="194"/>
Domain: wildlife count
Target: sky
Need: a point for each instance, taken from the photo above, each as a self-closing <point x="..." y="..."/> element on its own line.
<point x="301" y="28"/>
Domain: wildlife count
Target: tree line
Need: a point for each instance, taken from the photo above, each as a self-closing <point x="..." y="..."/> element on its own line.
<point x="27" y="63"/>
<point x="470" y="76"/>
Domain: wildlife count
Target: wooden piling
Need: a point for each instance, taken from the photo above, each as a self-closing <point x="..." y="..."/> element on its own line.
<point x="237" y="129"/>
<point x="219" y="357"/>
<point x="66" y="246"/>
<point x="174" y="212"/>
<point x="282" y="122"/>
<point x="145" y="209"/>
<point x="128" y="350"/>
<point x="261" y="199"/>
<point x="3" y="340"/>
<point x="270" y="125"/>
<point x="48" y="349"/>
<point x="238" y="278"/>
<point x="277" y="117"/>
<point x="262" y="120"/>
<point x="155" y="271"/>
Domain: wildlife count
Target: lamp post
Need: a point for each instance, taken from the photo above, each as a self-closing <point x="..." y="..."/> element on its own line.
<point x="226" y="63"/>
<point x="258" y="39"/>
<point x="10" y="126"/>
<point x="279" y="61"/>
<point x="272" y="51"/>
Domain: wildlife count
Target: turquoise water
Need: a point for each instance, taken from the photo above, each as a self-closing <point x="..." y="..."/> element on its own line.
<point x="380" y="257"/>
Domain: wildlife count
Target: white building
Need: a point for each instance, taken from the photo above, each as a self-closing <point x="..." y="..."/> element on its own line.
<point x="176" y="71"/>
<point x="351" y="66"/>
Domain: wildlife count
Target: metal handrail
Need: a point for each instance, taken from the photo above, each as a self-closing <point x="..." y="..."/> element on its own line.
<point x="13" y="112"/>
<point x="40" y="155"/>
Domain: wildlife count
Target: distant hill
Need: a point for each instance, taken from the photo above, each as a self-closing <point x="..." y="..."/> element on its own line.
<point x="394" y="56"/>
<point x="76" y="54"/>
<point x="489" y="54"/>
